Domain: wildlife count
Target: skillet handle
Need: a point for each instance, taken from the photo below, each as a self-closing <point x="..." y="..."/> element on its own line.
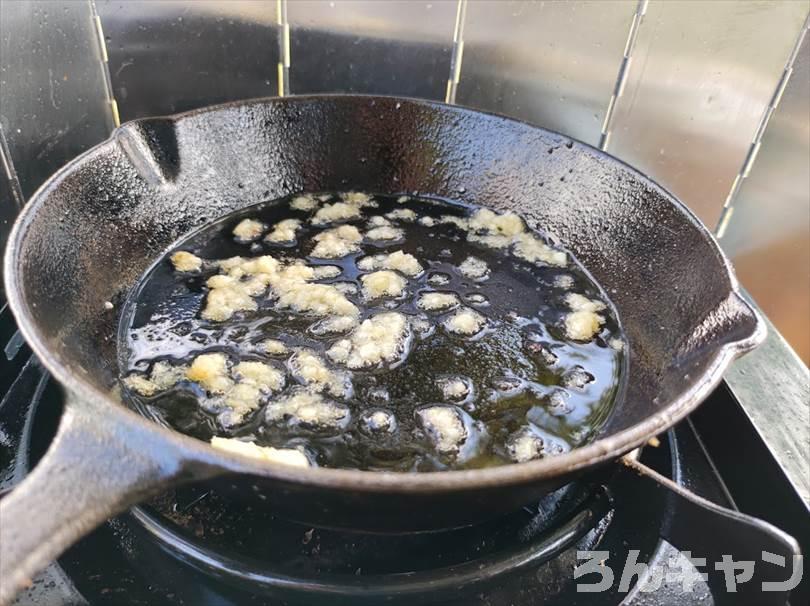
<point x="692" y="523"/>
<point x="102" y="460"/>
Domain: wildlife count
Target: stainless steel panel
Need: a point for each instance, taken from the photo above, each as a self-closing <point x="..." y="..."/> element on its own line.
<point x="773" y="387"/>
<point x="175" y="55"/>
<point x="768" y="235"/>
<point x="701" y="76"/>
<point x="52" y="100"/>
<point x="392" y="48"/>
<point x="551" y="63"/>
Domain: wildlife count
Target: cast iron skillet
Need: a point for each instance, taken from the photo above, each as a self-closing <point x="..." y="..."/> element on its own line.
<point x="88" y="234"/>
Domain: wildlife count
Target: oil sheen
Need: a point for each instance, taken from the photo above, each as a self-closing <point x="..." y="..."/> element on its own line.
<point x="374" y="332"/>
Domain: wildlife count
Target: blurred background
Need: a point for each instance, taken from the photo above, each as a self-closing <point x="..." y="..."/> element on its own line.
<point x="711" y="98"/>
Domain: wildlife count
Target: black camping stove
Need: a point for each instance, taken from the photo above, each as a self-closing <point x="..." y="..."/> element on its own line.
<point x="578" y="546"/>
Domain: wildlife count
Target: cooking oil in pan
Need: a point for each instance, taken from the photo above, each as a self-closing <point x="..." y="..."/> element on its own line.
<point x="373" y="332"/>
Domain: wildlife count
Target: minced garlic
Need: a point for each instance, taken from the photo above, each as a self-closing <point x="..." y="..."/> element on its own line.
<point x="524" y="445"/>
<point x="284" y="231"/>
<point x="186" y="262"/>
<point x="338" y="211"/>
<point x="474" y="268"/>
<point x="383" y="283"/>
<point x="378" y="221"/>
<point x="444" y="426"/>
<point x="454" y="388"/>
<point x="333" y="325"/>
<point x="403" y="214"/>
<point x="505" y="224"/>
<point x="337" y="242"/>
<point x="249" y="230"/>
<point x="433" y="301"/>
<point x="211" y="371"/>
<point x="141" y="384"/>
<point x="274" y="347"/>
<point x="309" y="409"/>
<point x="227" y="296"/>
<point x="533" y="249"/>
<point x="358" y="198"/>
<point x="318" y="299"/>
<point x="583" y="322"/>
<point x="465" y="322"/>
<point x="312" y="371"/>
<point x="400" y="261"/>
<point x="304" y="203"/>
<point x="384" y="232"/>
<point x="265" y="377"/>
<point x="326" y="272"/>
<point x="381" y="338"/>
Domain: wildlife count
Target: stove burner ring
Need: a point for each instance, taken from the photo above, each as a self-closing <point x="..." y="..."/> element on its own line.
<point x="410" y="587"/>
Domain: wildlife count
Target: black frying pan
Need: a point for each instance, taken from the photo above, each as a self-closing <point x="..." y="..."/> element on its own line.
<point x="88" y="234"/>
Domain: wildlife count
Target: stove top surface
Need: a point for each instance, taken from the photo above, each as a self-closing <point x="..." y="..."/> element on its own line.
<point x="188" y="546"/>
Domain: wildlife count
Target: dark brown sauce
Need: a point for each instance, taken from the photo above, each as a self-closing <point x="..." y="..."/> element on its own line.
<point x="523" y="370"/>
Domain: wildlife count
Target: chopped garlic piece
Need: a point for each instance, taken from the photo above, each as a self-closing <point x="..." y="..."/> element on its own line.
<point x="308" y="409"/>
<point x="524" y="445"/>
<point x="326" y="272"/>
<point x="358" y="198"/>
<point x="211" y="371"/>
<point x="465" y="322"/>
<point x="240" y="400"/>
<point x="186" y="262"/>
<point x="533" y="249"/>
<point x="444" y="426"/>
<point x="383" y="283"/>
<point x="433" y="301"/>
<point x="454" y="388"/>
<point x="403" y="214"/>
<point x="274" y="347"/>
<point x="506" y="224"/>
<point x="337" y="242"/>
<point x="339" y="352"/>
<point x="249" y="230"/>
<point x="339" y="211"/>
<point x="319" y="299"/>
<point x="311" y="371"/>
<point x="378" y="422"/>
<point x="304" y="203"/>
<point x="402" y="199"/>
<point x="579" y="302"/>
<point x="474" y="268"/>
<point x="583" y="325"/>
<point x="333" y="325"/>
<point x="384" y="233"/>
<point x="381" y="338"/>
<point x="378" y="221"/>
<point x="346" y="288"/>
<point x="284" y="456"/>
<point x="227" y="296"/>
<point x="427" y="221"/>
<point x="164" y="375"/>
<point x="490" y="240"/>
<point x="616" y="344"/>
<point x="402" y="262"/>
<point x="141" y="385"/>
<point x="284" y="231"/>
<point x="263" y="376"/>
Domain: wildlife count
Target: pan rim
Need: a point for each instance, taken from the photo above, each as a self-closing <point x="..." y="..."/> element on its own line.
<point x="601" y="450"/>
